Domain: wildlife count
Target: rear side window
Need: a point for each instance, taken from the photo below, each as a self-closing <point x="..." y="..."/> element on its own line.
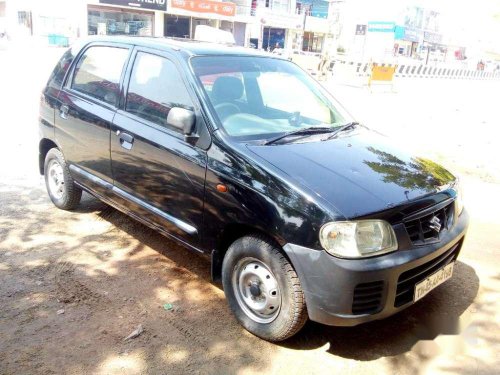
<point x="155" y="87"/>
<point x="98" y="73"/>
<point x="57" y="76"/>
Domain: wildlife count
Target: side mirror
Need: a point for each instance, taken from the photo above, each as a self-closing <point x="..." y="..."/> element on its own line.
<point x="182" y="119"/>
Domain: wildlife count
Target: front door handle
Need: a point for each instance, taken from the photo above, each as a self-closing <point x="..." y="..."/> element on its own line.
<point x="63" y="111"/>
<point x="126" y="140"/>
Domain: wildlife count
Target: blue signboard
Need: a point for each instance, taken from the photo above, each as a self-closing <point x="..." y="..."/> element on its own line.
<point x="407" y="33"/>
<point x="381" y="26"/>
<point x="317" y="8"/>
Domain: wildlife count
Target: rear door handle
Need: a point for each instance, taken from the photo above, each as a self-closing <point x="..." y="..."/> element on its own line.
<point x="63" y="111"/>
<point x="126" y="140"/>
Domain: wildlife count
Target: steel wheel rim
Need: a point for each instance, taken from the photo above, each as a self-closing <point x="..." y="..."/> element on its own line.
<point x="256" y="289"/>
<point x="56" y="179"/>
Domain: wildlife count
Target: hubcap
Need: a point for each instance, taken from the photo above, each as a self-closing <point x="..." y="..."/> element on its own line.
<point x="56" y="179"/>
<point x="257" y="290"/>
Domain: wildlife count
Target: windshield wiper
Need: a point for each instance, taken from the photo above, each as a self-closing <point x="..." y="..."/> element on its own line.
<point x="342" y="128"/>
<point x="303" y="131"/>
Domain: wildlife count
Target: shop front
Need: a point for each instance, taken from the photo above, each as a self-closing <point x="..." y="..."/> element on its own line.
<point x="123" y="17"/>
<point x="313" y="42"/>
<point x="176" y="26"/>
<point x="185" y="16"/>
<point x="277" y="30"/>
<point x="407" y="41"/>
<point x="272" y="38"/>
<point x="316" y="32"/>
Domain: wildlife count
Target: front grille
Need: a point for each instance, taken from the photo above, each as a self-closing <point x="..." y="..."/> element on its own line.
<point x="407" y="280"/>
<point x="367" y="298"/>
<point x="427" y="228"/>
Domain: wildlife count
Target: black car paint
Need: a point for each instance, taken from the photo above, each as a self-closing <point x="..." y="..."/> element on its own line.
<point x="285" y="191"/>
<point x="359" y="163"/>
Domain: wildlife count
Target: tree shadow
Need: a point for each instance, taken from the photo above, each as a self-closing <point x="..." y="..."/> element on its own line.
<point x="108" y="273"/>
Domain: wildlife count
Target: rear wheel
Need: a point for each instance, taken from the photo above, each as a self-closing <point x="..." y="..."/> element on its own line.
<point x="61" y="187"/>
<point x="263" y="289"/>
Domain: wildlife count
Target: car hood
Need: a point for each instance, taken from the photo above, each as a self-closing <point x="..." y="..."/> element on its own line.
<point x="358" y="173"/>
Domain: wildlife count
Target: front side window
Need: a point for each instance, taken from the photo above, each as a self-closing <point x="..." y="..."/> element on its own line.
<point x="155" y="87"/>
<point x="260" y="97"/>
<point x="98" y="73"/>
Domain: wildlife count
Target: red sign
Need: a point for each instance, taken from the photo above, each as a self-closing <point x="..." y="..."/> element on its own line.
<point x="202" y="6"/>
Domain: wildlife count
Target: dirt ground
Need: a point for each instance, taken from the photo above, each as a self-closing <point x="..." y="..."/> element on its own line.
<point x="73" y="285"/>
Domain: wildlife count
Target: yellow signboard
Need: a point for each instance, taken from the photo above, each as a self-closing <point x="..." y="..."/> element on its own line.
<point x="382" y="73"/>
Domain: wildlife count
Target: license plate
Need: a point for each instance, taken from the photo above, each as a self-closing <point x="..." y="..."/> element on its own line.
<point x="433" y="281"/>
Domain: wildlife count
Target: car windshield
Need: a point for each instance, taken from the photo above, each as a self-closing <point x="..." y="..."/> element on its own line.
<point x="260" y="98"/>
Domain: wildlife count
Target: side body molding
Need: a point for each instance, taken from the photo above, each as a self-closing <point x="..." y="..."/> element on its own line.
<point x="123" y="194"/>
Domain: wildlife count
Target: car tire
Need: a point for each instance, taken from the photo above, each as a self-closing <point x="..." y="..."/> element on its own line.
<point x="254" y="273"/>
<point x="63" y="191"/>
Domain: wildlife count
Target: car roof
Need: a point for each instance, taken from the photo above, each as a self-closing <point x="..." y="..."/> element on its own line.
<point x="190" y="47"/>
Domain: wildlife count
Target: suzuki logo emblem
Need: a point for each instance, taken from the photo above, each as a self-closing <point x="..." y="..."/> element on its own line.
<point x="435" y="224"/>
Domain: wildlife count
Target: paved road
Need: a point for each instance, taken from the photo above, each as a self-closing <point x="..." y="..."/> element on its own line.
<point x="109" y="274"/>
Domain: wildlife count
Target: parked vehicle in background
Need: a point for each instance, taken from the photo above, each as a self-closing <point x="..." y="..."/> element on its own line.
<point x="243" y="157"/>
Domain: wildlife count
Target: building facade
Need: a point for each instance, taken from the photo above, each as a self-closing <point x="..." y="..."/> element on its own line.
<point x="268" y="24"/>
<point x="77" y="18"/>
<point x="290" y="24"/>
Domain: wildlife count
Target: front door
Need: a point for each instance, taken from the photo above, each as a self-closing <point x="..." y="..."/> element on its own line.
<point x="85" y="111"/>
<point x="156" y="172"/>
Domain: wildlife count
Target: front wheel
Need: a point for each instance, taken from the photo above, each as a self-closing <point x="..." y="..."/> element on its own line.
<point x="262" y="289"/>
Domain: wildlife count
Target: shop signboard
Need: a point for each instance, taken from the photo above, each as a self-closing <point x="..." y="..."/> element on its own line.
<point x="206" y="6"/>
<point x="283" y="21"/>
<point x="381" y="26"/>
<point x="317" y="25"/>
<point x="139" y="4"/>
<point x="432" y="37"/>
<point x="408" y="34"/>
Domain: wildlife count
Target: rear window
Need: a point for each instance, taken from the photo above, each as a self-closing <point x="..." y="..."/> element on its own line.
<point x="98" y="73"/>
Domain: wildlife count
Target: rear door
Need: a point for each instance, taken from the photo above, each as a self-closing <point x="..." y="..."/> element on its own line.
<point x="157" y="173"/>
<point x="85" y="110"/>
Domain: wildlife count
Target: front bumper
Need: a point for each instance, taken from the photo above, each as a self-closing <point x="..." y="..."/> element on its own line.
<point x="348" y="292"/>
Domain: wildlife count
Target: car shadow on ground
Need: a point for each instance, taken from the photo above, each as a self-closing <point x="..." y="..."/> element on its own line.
<point x="114" y="273"/>
<point x="437" y="314"/>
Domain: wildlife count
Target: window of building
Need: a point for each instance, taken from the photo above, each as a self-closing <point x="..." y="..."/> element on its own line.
<point x="280" y="6"/>
<point x="98" y="73"/>
<point x="155" y="87"/>
<point x="312" y="42"/>
<point x="119" y="22"/>
<point x="24" y="19"/>
<point x="176" y="26"/>
<point x="273" y="38"/>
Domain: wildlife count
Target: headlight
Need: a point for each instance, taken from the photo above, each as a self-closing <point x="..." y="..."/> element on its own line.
<point x="459" y="200"/>
<point x="358" y="239"/>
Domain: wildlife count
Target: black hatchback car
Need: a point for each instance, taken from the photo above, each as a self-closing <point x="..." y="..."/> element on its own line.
<point x="243" y="157"/>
